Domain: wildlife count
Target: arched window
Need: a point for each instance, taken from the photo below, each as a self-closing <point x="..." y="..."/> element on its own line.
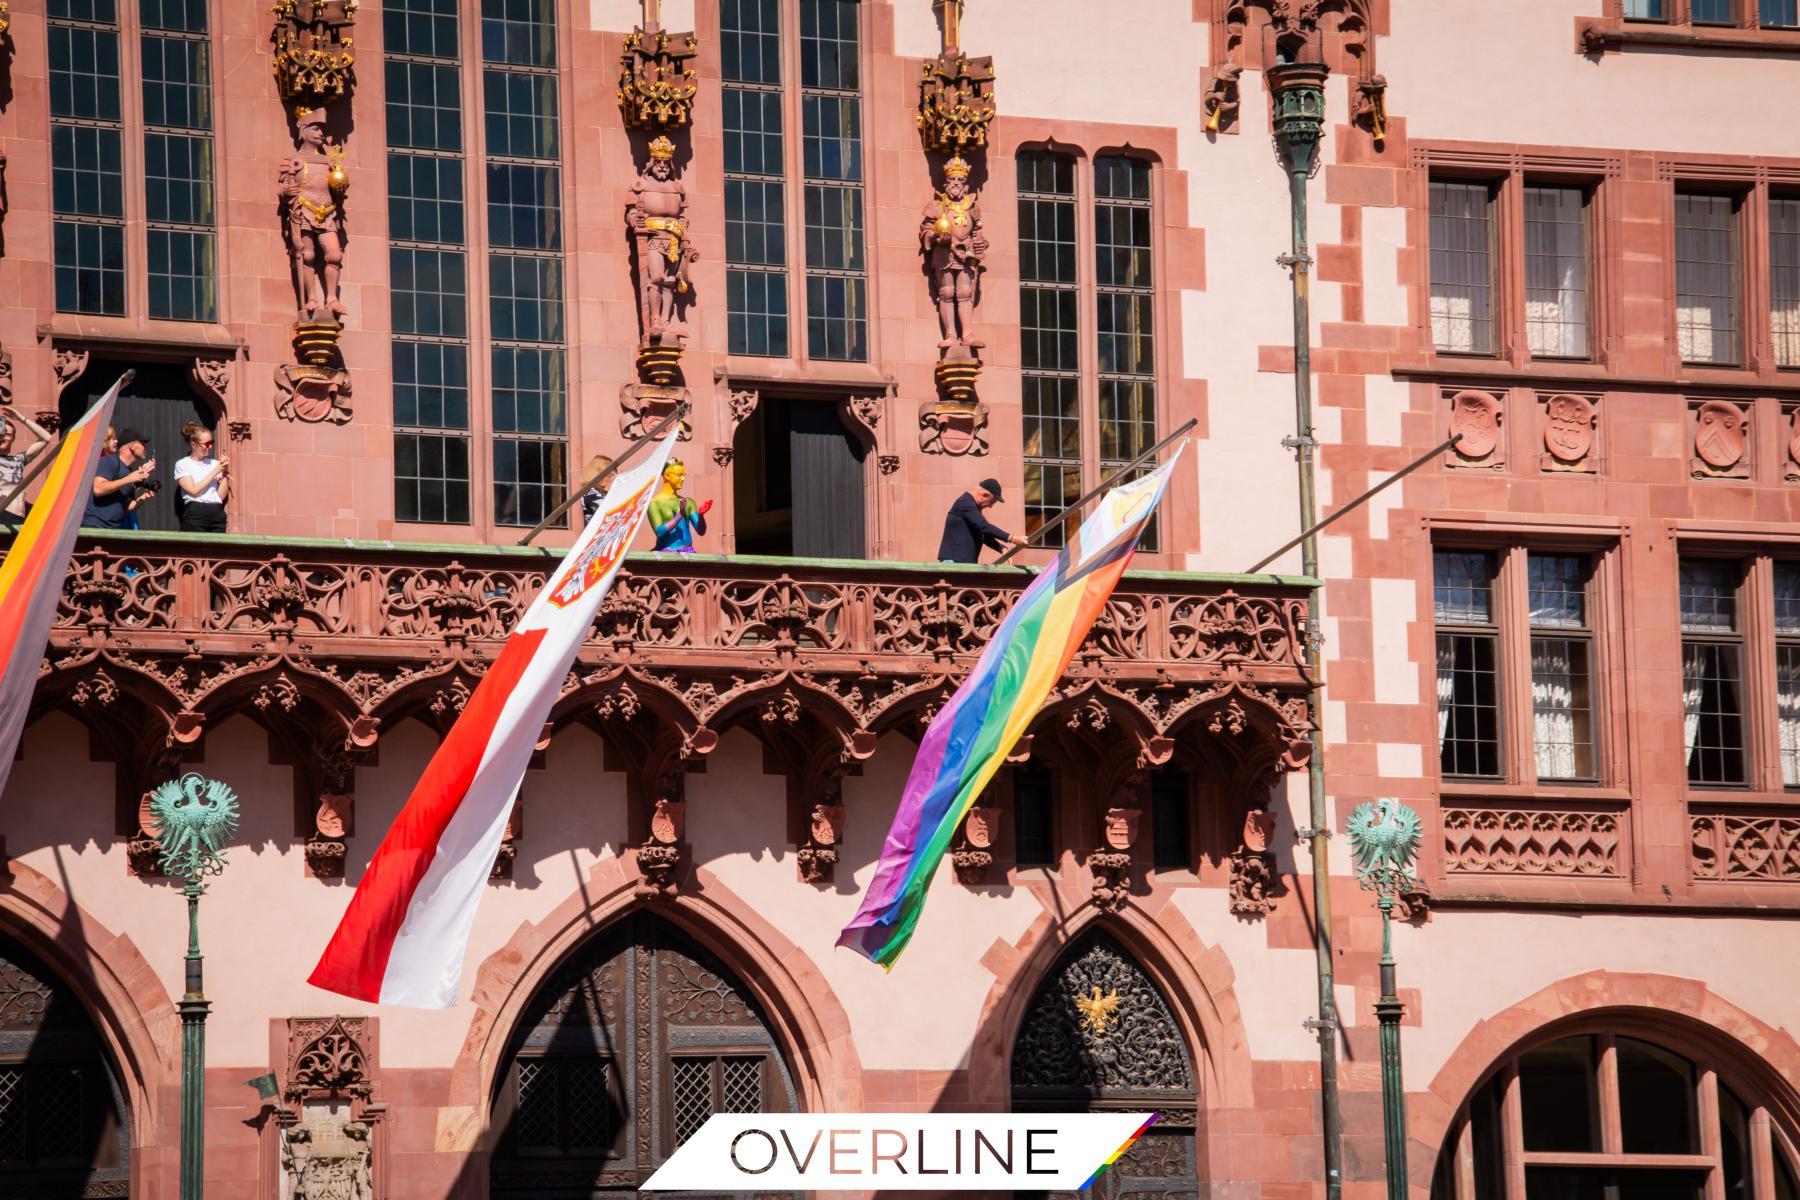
<point x="1099" y="1035"/>
<point x="62" y="1118"/>
<point x="1606" y="1114"/>
<point x="627" y="1050"/>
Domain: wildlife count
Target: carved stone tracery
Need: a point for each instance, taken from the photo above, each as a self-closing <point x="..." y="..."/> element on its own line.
<point x="1058" y="1056"/>
<point x="657" y="82"/>
<point x="1492" y="841"/>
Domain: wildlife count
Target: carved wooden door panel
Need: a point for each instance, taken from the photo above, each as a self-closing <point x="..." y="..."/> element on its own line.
<point x="62" y="1117"/>
<point x="1099" y="1035"/>
<point x="621" y="1056"/>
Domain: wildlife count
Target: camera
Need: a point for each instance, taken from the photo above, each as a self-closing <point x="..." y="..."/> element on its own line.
<point x="150" y="486"/>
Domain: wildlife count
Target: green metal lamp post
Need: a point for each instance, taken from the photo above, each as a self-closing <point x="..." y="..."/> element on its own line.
<point x="1298" y="90"/>
<point x="194" y="817"/>
<point x="1384" y="840"/>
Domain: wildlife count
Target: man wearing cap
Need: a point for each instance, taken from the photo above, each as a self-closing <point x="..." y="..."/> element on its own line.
<point x="117" y="481"/>
<point x="966" y="531"/>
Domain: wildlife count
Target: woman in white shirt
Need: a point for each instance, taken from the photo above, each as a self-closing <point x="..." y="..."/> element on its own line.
<point x="205" y="482"/>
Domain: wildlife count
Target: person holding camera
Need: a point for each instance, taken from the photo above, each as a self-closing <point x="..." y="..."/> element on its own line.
<point x="205" y="483"/>
<point x="121" y="482"/>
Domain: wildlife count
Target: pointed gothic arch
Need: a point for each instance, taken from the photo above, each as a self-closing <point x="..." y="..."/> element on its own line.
<point x="1100" y="1033"/>
<point x="621" y="1054"/>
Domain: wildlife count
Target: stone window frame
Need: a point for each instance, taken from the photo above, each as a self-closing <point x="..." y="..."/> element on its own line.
<point x="1509" y="171"/>
<point x="1454" y="1175"/>
<point x="1754" y="182"/>
<point x="1676" y="29"/>
<point x="1756" y="557"/>
<point x="795" y="182"/>
<point x="1511" y="544"/>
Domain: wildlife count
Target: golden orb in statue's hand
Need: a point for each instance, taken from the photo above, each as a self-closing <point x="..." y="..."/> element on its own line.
<point x="943" y="225"/>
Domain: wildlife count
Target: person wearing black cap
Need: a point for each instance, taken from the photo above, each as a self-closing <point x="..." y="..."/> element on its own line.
<point x="119" y="482"/>
<point x="966" y="531"/>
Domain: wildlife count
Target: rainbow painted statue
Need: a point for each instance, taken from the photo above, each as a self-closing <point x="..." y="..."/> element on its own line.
<point x="674" y="517"/>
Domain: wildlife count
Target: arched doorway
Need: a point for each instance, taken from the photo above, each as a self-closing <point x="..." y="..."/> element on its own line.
<point x="620" y="1057"/>
<point x="1100" y="1035"/>
<point x="1618" y="1106"/>
<point x="63" y="1121"/>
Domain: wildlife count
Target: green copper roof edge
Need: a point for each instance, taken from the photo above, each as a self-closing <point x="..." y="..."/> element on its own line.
<point x="552" y="553"/>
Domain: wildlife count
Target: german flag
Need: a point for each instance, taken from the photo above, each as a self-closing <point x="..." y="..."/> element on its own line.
<point x="31" y="575"/>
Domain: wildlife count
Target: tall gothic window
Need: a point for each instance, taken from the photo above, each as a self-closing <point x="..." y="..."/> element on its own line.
<point x="178" y="161"/>
<point x="837" y="286"/>
<point x="428" y="261"/>
<point x="529" y="381"/>
<point x="1127" y="317"/>
<point x="755" y="166"/>
<point x="1787" y="669"/>
<point x="1050" y="333"/>
<point x="86" y="156"/>
<point x="1562" y="657"/>
<point x="759" y="162"/>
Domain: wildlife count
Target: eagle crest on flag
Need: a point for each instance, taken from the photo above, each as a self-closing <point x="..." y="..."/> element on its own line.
<point x="609" y="545"/>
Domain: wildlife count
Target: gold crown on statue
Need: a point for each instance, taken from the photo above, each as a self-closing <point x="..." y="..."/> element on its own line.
<point x="662" y="147"/>
<point x="956" y="168"/>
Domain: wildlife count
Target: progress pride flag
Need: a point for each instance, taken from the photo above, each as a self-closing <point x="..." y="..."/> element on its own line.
<point x="403" y="938"/>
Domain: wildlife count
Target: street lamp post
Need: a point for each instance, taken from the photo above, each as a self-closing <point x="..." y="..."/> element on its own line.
<point x="194" y="817"/>
<point x="1384" y="840"/>
<point x="1298" y="90"/>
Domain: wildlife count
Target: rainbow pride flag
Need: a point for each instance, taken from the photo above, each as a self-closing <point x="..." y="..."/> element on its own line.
<point x="31" y="577"/>
<point x="972" y="735"/>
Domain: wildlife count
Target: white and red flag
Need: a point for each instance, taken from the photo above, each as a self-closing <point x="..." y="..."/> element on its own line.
<point x="403" y="938"/>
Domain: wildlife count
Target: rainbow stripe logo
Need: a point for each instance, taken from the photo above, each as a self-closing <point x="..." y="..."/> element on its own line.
<point x="1114" y="1157"/>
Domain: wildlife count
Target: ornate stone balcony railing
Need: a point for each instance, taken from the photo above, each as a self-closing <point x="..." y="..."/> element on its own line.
<point x="160" y="636"/>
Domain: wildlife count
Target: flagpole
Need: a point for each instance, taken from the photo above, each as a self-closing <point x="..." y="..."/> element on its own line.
<point x="1066" y="513"/>
<point x="1396" y="477"/>
<point x="662" y="427"/>
<point x="44" y="459"/>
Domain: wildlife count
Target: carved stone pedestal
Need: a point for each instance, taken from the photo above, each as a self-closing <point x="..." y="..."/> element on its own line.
<point x="316" y="387"/>
<point x="659" y="364"/>
<point x="953" y="427"/>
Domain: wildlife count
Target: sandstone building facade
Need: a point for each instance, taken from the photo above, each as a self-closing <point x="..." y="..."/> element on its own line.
<point x="416" y="261"/>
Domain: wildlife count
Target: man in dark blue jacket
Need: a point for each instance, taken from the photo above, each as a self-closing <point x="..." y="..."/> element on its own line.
<point x="966" y="531"/>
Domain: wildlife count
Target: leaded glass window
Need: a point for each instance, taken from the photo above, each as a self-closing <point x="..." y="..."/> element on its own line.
<point x="529" y="358"/>
<point x="1126" y="301"/>
<point x="1462" y="267"/>
<point x="428" y="261"/>
<point x="1556" y="272"/>
<point x="1708" y="307"/>
<point x="1787" y="669"/>
<point x="1562" y="665"/>
<point x="87" y="180"/>
<point x="1050" y="335"/>
<point x="755" y="167"/>
<point x="837" y="285"/>
<point x="1712" y="671"/>
<point x="1784" y="279"/>
<point x="1468" y="662"/>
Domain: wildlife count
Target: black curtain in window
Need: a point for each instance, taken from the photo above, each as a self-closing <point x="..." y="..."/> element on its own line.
<point x="827" y="483"/>
<point x="157" y="403"/>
